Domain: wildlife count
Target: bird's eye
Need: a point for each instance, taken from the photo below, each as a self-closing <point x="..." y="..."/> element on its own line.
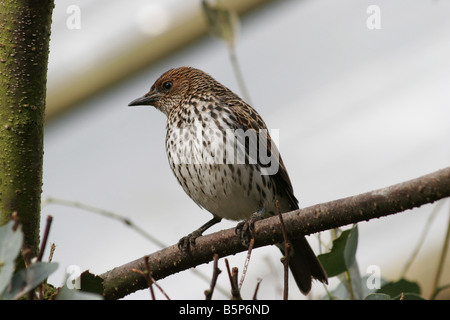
<point x="167" y="85"/>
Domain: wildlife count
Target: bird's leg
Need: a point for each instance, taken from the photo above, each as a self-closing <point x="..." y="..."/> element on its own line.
<point x="189" y="240"/>
<point x="246" y="229"/>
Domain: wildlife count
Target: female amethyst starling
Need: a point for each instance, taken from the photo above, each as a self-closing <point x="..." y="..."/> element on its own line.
<point x="222" y="155"/>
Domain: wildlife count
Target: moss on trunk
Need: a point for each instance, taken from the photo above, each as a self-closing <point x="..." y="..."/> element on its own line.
<point x="24" y="46"/>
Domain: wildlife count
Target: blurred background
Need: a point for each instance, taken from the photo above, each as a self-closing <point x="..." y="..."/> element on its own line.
<point x="360" y="96"/>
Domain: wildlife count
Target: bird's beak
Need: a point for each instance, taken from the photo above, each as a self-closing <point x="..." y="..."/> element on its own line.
<point x="146" y="100"/>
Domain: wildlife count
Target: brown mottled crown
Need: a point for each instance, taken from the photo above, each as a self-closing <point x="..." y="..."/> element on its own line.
<point x="198" y="82"/>
<point x="176" y="86"/>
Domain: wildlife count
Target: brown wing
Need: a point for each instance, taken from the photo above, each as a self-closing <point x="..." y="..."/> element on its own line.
<point x="248" y="118"/>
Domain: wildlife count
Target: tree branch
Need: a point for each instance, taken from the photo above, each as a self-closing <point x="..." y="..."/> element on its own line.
<point x="122" y="281"/>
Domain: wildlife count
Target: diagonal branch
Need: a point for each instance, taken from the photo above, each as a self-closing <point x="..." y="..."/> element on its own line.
<point x="122" y="281"/>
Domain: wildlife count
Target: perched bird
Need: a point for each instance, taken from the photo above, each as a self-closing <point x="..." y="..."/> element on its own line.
<point x="237" y="180"/>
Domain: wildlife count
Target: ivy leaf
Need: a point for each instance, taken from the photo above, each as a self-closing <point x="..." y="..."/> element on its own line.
<point x="342" y="256"/>
<point x="396" y="289"/>
<point x="350" y="247"/>
<point x="29" y="278"/>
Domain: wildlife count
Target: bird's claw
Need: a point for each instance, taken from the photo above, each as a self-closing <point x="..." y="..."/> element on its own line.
<point x="185" y="243"/>
<point x="245" y="230"/>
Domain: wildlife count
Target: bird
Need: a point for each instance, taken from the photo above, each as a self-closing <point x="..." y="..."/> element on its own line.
<point x="229" y="179"/>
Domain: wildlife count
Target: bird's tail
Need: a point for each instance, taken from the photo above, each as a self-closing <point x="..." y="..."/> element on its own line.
<point x="304" y="264"/>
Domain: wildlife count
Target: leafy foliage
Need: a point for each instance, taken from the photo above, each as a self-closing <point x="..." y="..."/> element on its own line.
<point x="341" y="262"/>
<point x="16" y="285"/>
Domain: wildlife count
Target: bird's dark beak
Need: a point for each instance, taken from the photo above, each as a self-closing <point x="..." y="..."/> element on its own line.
<point x="146" y="100"/>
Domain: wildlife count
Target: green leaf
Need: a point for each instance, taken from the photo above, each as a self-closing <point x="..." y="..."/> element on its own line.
<point x="355" y="281"/>
<point x="29" y="278"/>
<point x="10" y="244"/>
<point x="350" y="247"/>
<point x="333" y="261"/>
<point x="353" y="276"/>
<point x="6" y="274"/>
<point x="342" y="255"/>
<point x="402" y="286"/>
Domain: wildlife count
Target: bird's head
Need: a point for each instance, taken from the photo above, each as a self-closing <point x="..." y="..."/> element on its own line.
<point x="173" y="88"/>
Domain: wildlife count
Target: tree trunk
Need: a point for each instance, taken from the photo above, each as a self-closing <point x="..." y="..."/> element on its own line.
<point x="24" y="46"/>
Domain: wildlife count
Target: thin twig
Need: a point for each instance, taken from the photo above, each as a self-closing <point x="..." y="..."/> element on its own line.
<point x="238" y="74"/>
<point x="50" y="258"/>
<point x="148" y="277"/>
<point x="216" y="272"/>
<point x="105" y="213"/>
<point x="52" y="251"/>
<point x="247" y="261"/>
<point x="287" y="251"/>
<point x="256" y="289"/>
<point x="348" y="282"/>
<point x="439" y="289"/>
<point x="435" y="288"/>
<point x="421" y="240"/>
<point x="232" y="275"/>
<point x="159" y="288"/>
<point x="150" y="280"/>
<point x="44" y="238"/>
<point x="15" y="218"/>
<point x="41" y="291"/>
<point x="222" y="23"/>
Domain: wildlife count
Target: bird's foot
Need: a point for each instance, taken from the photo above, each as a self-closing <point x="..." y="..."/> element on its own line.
<point x="245" y="230"/>
<point x="185" y="243"/>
